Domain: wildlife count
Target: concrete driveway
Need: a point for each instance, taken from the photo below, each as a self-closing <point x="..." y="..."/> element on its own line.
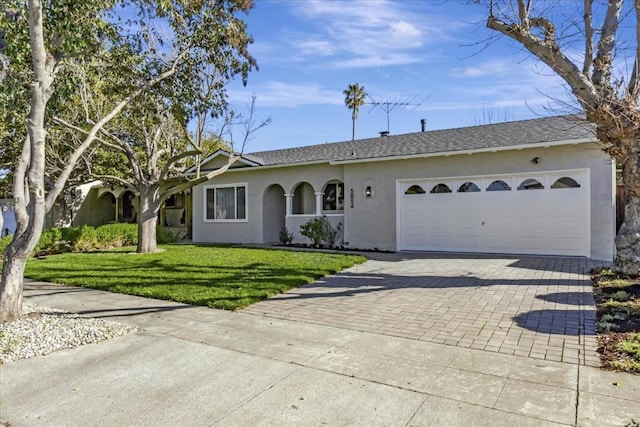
<point x="539" y="307"/>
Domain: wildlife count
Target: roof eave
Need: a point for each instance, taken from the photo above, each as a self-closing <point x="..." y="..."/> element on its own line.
<point x="473" y="151"/>
<point x="226" y="153"/>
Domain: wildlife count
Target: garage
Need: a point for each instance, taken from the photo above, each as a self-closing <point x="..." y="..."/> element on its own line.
<point x="541" y="213"/>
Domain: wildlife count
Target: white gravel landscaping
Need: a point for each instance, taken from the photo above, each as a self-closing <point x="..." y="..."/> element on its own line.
<point x="42" y="330"/>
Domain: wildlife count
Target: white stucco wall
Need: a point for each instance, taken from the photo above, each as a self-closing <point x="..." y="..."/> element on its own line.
<point x="371" y="223"/>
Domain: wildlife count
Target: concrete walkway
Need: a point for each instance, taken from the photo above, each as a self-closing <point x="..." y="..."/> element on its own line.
<point x="197" y="366"/>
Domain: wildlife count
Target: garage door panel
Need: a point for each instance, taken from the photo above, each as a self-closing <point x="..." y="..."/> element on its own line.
<point x="542" y="221"/>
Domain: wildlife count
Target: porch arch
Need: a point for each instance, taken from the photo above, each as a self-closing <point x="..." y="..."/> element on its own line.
<point x="273" y="213"/>
<point x="304" y="199"/>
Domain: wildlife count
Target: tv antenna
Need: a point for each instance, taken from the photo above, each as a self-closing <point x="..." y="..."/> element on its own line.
<point x="396" y="103"/>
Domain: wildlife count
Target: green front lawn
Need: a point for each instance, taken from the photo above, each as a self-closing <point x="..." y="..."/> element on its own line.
<point x="220" y="277"/>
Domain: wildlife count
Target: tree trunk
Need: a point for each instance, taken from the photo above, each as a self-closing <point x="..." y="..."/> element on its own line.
<point x="353" y="128"/>
<point x="28" y="184"/>
<point x="11" y="287"/>
<point x="147" y="221"/>
<point x="2" y="233"/>
<point x="628" y="238"/>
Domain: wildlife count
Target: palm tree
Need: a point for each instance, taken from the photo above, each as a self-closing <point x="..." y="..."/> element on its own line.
<point x="354" y="97"/>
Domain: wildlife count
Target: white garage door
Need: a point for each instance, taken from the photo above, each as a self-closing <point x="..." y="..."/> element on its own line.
<point x="546" y="213"/>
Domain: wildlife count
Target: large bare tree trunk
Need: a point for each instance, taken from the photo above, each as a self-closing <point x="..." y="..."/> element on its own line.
<point x="147" y="221"/>
<point x="628" y="238"/>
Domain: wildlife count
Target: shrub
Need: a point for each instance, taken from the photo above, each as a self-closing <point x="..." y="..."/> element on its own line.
<point x="164" y="236"/>
<point x="117" y="235"/>
<point x="85" y="240"/>
<point x="70" y="234"/>
<point x="286" y="238"/>
<point x="620" y="295"/>
<point x="319" y="230"/>
<point x="51" y="241"/>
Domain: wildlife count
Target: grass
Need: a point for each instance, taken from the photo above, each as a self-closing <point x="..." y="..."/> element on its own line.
<point x="220" y="277"/>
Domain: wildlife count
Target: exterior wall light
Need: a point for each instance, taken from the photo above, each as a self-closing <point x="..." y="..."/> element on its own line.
<point x="368" y="192"/>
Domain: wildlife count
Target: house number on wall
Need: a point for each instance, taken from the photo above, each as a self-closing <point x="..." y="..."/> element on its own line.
<point x="351" y="198"/>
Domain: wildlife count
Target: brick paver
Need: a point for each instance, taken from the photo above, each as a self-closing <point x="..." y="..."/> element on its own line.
<point x="540" y="307"/>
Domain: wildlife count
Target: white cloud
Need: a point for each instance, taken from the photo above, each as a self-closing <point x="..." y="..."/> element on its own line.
<point x="498" y="67"/>
<point x="378" y="61"/>
<point x="281" y="94"/>
<point x="364" y="33"/>
<point x="316" y="47"/>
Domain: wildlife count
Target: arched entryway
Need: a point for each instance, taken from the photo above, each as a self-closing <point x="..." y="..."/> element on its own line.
<point x="273" y="213"/>
<point x="105" y="206"/>
<point x="304" y="199"/>
<point x="128" y="207"/>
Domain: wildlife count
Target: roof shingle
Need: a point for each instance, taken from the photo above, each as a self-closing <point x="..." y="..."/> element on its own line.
<point x="499" y="135"/>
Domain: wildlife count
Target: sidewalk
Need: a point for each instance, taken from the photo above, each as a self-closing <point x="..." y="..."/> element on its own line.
<point x="197" y="366"/>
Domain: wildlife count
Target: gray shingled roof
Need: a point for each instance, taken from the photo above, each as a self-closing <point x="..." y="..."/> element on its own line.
<point x="500" y="135"/>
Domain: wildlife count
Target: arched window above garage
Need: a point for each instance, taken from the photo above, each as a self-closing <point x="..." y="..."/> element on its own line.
<point x="440" y="188"/>
<point x="415" y="189"/>
<point x="530" y="184"/>
<point x="498" y="185"/>
<point x="468" y="187"/>
<point x="565" y="182"/>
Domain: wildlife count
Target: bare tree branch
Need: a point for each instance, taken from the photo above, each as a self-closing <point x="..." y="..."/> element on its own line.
<point x="588" y="36"/>
<point x="116" y="178"/>
<point x="549" y="53"/>
<point x="604" y="56"/>
<point x="634" y="87"/>
<point x="186" y="185"/>
<point x="173" y="160"/>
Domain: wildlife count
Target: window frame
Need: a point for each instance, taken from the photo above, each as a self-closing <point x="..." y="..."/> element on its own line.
<point x="571" y="187"/>
<point x="521" y="186"/>
<point x="467" y="187"/>
<point x="500" y="188"/>
<point x="338" y="197"/>
<point x="438" y="186"/>
<point x="235" y="186"/>
<point x="415" y="193"/>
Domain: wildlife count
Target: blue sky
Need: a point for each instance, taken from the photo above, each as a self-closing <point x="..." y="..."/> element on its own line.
<point x="426" y="51"/>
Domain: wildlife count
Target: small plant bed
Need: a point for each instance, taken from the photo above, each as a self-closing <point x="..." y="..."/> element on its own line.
<point x="332" y="248"/>
<point x="220" y="277"/>
<point x="618" y="309"/>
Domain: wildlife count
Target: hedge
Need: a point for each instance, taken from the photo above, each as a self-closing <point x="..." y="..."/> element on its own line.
<point x="86" y="238"/>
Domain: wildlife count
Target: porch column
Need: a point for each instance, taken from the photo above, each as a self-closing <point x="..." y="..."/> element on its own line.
<point x="319" y="203"/>
<point x="117" y="209"/>
<point x="289" y="204"/>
